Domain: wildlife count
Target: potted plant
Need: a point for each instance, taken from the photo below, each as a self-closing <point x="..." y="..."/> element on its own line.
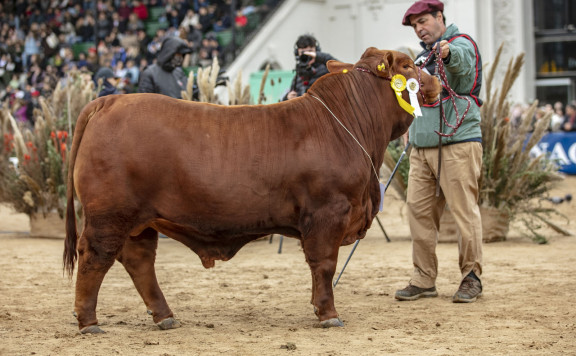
<point x="513" y="183"/>
<point x="34" y="160"/>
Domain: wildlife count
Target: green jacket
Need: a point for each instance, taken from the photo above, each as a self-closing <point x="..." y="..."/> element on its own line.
<point x="464" y="73"/>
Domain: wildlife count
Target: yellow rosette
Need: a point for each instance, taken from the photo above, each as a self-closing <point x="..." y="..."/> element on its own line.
<point x="398" y="83"/>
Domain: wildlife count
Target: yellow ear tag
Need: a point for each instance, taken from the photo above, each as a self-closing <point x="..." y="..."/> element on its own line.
<point x="345" y="71"/>
<point x="398" y="83"/>
<point x="381" y="67"/>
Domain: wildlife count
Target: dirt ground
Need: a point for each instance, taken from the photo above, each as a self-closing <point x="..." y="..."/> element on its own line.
<point x="258" y="303"/>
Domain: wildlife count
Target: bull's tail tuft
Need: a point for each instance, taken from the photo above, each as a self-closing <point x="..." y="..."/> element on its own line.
<point x="70" y="254"/>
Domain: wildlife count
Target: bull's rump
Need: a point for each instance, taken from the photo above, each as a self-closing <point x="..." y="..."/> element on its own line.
<point x="207" y="165"/>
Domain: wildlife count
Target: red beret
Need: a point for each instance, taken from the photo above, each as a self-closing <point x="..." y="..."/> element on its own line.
<point x="421" y="7"/>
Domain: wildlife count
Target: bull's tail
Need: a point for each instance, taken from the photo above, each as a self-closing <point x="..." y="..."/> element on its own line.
<point x="70" y="255"/>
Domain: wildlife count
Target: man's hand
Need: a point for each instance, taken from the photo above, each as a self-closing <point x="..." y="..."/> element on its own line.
<point x="312" y="56"/>
<point x="292" y="95"/>
<point x="444" y="48"/>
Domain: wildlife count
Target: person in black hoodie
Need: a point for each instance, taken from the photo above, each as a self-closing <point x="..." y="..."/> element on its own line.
<point x="166" y="75"/>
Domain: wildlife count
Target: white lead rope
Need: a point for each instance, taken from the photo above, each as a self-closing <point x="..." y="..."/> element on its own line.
<point x="350" y="133"/>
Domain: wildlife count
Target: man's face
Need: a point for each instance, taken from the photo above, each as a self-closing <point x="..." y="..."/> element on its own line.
<point x="428" y="28"/>
<point x="177" y="60"/>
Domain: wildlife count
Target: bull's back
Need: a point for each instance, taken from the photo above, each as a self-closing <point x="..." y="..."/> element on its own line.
<point x="155" y="150"/>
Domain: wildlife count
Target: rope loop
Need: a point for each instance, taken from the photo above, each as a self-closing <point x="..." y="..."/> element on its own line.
<point x="452" y="95"/>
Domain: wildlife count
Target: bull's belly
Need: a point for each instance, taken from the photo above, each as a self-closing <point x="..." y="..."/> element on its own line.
<point x="217" y="241"/>
<point x="214" y="231"/>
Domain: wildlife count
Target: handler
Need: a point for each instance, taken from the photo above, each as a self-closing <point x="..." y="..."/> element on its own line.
<point x="460" y="156"/>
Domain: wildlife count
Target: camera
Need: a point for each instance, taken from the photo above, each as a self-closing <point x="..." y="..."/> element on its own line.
<point x="302" y="67"/>
<point x="304" y="58"/>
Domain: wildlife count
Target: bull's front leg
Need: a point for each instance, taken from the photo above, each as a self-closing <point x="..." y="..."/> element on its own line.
<point x="321" y="251"/>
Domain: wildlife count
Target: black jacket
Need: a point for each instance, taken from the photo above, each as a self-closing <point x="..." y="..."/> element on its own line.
<point x="301" y="83"/>
<point x="107" y="89"/>
<point x="163" y="77"/>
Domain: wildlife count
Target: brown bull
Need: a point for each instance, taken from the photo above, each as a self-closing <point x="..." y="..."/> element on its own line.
<point x="216" y="177"/>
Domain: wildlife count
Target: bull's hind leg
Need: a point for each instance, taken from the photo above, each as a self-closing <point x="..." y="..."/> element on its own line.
<point x="96" y="254"/>
<point x="138" y="256"/>
<point x="321" y="251"/>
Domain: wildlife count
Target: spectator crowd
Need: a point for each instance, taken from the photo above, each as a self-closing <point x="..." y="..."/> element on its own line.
<point x="563" y="117"/>
<point x="40" y="40"/>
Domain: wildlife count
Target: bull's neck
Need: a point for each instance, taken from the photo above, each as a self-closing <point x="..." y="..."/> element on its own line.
<point x="363" y="110"/>
<point x="350" y="133"/>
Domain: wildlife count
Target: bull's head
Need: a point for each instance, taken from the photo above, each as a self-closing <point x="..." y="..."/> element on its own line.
<point x="385" y="64"/>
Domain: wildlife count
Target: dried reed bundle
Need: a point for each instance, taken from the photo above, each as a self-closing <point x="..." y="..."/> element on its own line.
<point x="38" y="183"/>
<point x="237" y="93"/>
<point x="207" y="82"/>
<point x="19" y="145"/>
<point x="189" y="93"/>
<point x="511" y="180"/>
<point x="261" y="96"/>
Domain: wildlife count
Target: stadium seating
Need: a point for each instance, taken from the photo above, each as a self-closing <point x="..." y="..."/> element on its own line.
<point x="80" y="47"/>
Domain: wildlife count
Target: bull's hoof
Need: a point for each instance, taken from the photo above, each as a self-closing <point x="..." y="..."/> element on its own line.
<point x="169" y="323"/>
<point x="331" y="323"/>
<point x="92" y="329"/>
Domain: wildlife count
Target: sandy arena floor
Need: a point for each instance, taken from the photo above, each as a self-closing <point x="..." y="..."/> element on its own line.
<point x="258" y="303"/>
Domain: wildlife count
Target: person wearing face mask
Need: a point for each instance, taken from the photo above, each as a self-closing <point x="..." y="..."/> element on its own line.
<point x="166" y="75"/>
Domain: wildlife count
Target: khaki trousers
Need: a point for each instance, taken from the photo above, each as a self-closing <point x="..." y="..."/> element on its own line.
<point x="459" y="175"/>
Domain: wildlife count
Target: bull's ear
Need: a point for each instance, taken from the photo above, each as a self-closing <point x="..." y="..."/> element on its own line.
<point x="369" y="52"/>
<point x="384" y="67"/>
<point x="338" y="67"/>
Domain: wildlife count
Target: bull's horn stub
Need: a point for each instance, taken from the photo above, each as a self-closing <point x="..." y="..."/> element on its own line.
<point x="412" y="86"/>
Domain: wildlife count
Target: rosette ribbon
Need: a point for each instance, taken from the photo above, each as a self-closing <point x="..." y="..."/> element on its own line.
<point x="398" y="84"/>
<point x="412" y="86"/>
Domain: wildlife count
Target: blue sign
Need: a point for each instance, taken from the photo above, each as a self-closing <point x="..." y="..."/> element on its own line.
<point x="561" y="148"/>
